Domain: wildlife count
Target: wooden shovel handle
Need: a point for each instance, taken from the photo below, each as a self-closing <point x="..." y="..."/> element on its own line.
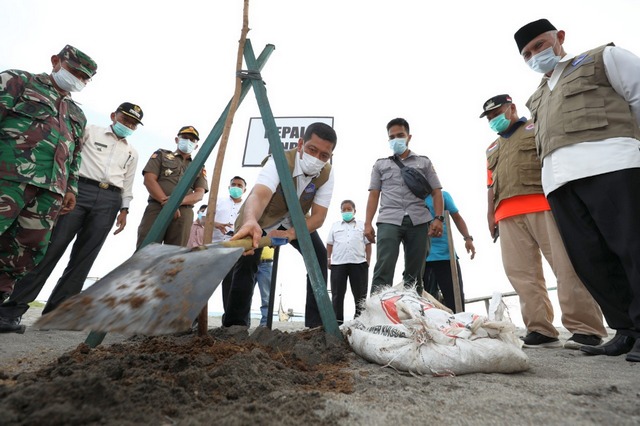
<point x="247" y="243"/>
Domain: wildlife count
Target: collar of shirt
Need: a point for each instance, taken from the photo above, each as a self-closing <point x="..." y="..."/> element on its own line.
<point x="557" y="71"/>
<point x="507" y="134"/>
<point x="109" y="131"/>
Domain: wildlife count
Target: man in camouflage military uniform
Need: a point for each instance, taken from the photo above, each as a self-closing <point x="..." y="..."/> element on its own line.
<point x="161" y="175"/>
<point x="41" y="131"/>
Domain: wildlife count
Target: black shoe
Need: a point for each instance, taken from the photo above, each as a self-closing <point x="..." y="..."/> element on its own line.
<point x="619" y="345"/>
<point x="11" y="325"/>
<point x="537" y="340"/>
<point x="579" y="340"/>
<point x="634" y="354"/>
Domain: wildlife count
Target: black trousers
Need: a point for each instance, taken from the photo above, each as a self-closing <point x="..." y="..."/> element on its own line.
<point x="238" y="306"/>
<point x="89" y="223"/>
<point x="438" y="273"/>
<point x="598" y="218"/>
<point x="358" y="275"/>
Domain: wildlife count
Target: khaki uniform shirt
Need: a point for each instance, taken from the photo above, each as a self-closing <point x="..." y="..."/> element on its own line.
<point x="170" y="167"/>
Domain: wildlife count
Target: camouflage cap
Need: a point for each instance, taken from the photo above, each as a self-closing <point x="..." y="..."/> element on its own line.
<point x="78" y="60"/>
<point x="190" y="130"/>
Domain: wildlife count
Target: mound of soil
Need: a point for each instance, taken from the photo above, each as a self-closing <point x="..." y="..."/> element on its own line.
<point x="226" y="377"/>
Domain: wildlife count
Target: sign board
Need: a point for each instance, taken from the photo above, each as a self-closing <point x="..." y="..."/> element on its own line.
<point x="290" y="129"/>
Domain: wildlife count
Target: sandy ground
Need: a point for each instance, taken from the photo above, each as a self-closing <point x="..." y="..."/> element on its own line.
<point x="290" y="376"/>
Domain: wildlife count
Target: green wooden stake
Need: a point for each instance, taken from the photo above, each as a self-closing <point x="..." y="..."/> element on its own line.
<point x="161" y="223"/>
<point x="302" y="232"/>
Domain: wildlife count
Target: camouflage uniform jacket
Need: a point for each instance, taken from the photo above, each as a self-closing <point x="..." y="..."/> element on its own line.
<point x="40" y="133"/>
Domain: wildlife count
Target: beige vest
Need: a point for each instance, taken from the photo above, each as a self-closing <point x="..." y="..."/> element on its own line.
<point x="583" y="107"/>
<point x="514" y="164"/>
<point x="277" y="207"/>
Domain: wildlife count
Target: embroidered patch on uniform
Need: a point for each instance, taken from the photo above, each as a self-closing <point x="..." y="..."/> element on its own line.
<point x="170" y="156"/>
<point x="493" y="147"/>
<point x="168" y="172"/>
<point x="154" y="155"/>
<point x="530" y="126"/>
<point x="578" y="60"/>
<point x="204" y="172"/>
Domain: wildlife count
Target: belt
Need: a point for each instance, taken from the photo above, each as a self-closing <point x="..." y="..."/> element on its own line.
<point x="100" y="185"/>
<point x="266" y="261"/>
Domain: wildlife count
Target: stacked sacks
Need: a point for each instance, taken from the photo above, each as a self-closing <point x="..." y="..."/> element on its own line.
<point x="399" y="329"/>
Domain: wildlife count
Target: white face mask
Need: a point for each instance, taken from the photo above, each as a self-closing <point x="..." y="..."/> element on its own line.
<point x="310" y="165"/>
<point x="186" y="146"/>
<point x="67" y="81"/>
<point x="544" y="61"/>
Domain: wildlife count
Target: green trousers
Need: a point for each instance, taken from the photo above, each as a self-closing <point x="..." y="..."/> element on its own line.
<point x="416" y="243"/>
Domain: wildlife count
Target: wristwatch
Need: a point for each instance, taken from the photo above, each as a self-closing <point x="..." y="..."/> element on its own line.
<point x="126" y="209"/>
<point x="468" y="238"/>
<point x="440" y="218"/>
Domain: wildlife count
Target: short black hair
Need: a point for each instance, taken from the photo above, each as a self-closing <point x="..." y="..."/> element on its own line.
<point x="239" y="178"/>
<point x="399" y="122"/>
<point x="323" y="131"/>
<point x="202" y="207"/>
<point x="348" y="202"/>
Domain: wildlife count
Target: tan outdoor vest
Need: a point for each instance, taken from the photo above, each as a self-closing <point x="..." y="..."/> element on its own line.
<point x="583" y="107"/>
<point x="514" y="164"/>
<point x="277" y="207"/>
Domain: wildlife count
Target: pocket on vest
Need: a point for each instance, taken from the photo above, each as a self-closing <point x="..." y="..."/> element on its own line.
<point x="582" y="108"/>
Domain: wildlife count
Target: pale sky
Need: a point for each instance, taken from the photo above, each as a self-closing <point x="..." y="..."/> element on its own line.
<point x="362" y="62"/>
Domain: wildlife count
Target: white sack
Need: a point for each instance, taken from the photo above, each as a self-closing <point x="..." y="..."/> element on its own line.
<point x="402" y="330"/>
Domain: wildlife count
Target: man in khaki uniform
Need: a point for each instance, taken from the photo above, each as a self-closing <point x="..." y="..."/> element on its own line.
<point x="161" y="175"/>
<point x="517" y="205"/>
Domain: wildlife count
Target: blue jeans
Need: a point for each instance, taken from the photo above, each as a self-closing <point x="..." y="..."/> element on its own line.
<point x="263" y="279"/>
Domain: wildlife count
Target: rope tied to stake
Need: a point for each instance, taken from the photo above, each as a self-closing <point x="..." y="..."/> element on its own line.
<point x="250" y="74"/>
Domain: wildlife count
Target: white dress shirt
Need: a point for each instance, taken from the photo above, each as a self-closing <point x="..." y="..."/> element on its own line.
<point x="586" y="159"/>
<point x="226" y="212"/>
<point x="105" y="158"/>
<point x="348" y="241"/>
<point x="269" y="178"/>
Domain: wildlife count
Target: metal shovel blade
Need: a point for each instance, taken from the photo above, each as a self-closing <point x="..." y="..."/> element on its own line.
<point x="159" y="290"/>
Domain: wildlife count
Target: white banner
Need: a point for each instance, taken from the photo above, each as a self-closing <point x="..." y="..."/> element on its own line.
<point x="290" y="129"/>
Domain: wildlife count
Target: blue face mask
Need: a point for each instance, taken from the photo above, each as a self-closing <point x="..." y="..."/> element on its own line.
<point x="201" y="216"/>
<point x="121" y="130"/>
<point x="544" y="61"/>
<point x="235" y="192"/>
<point x="347" y="216"/>
<point x="398" y="145"/>
<point x="500" y="123"/>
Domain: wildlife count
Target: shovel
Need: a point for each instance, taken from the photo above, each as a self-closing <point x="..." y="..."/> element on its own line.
<point x="159" y="290"/>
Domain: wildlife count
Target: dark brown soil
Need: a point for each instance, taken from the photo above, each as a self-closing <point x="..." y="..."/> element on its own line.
<point x="227" y="377"/>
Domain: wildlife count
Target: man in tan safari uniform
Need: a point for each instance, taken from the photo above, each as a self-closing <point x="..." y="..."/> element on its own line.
<point x="518" y="208"/>
<point x="265" y="212"/>
<point x="161" y="175"/>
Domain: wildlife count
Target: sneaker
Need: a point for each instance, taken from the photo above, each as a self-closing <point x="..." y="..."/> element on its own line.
<point x="579" y="340"/>
<point x="11" y="325"/>
<point x="537" y="340"/>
